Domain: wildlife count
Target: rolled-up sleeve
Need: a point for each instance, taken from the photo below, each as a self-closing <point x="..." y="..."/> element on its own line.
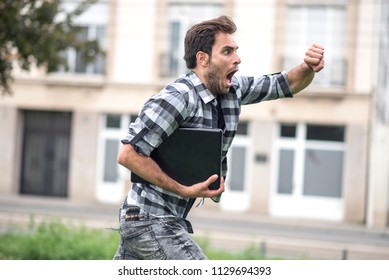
<point x="159" y="117"/>
<point x="267" y="87"/>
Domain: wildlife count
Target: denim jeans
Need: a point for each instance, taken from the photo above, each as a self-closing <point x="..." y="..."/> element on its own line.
<point x="150" y="238"/>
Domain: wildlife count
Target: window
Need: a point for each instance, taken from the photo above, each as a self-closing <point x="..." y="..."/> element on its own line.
<point x="286" y="169"/>
<point x="113" y="121"/>
<point x="323" y="24"/>
<point x="113" y="130"/>
<point x="323" y="173"/>
<point x="111" y="147"/>
<point x="288" y="130"/>
<point x="242" y="128"/>
<point x="110" y="163"/>
<point x="93" y="24"/>
<point x="111" y="176"/>
<point x="237" y="159"/>
<point x="75" y="58"/>
<point x="237" y="166"/>
<point x="310" y="160"/>
<point x="325" y="133"/>
<point x="182" y="15"/>
<point x="237" y="195"/>
<point x="174" y="64"/>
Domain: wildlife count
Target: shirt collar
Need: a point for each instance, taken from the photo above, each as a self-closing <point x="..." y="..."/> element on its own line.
<point x="204" y="93"/>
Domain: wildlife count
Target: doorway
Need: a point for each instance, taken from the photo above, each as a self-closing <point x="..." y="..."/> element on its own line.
<point x="45" y="154"/>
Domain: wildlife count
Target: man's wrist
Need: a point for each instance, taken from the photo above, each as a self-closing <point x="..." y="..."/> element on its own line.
<point x="309" y="66"/>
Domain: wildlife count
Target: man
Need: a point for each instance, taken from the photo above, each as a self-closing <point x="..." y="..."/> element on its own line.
<point x="152" y="220"/>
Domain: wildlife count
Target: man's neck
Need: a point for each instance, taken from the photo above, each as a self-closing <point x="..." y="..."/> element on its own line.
<point x="201" y="75"/>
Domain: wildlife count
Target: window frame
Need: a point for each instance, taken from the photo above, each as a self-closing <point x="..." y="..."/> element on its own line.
<point x="336" y="55"/>
<point x="185" y="14"/>
<point x="297" y="204"/>
<point x="95" y="17"/>
<point x="300" y="145"/>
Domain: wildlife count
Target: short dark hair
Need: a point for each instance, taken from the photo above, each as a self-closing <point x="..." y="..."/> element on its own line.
<point x="202" y="36"/>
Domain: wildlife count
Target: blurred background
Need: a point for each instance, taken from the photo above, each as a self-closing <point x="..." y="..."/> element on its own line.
<point x="309" y="172"/>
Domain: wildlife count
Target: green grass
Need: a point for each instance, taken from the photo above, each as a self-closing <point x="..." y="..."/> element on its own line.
<point x="53" y="240"/>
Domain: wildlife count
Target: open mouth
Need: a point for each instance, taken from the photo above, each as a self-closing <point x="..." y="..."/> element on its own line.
<point x="229" y="77"/>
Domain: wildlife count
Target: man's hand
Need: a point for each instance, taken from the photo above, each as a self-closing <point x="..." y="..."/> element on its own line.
<point x="202" y="190"/>
<point x="302" y="75"/>
<point x="314" y="57"/>
<point x="148" y="169"/>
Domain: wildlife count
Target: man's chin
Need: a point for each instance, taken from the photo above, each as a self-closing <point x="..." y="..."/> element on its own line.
<point x="226" y="90"/>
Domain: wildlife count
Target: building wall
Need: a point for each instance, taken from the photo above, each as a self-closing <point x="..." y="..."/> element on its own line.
<point x="83" y="155"/>
<point x="9" y="143"/>
<point x="134" y="37"/>
<point x="260" y="181"/>
<point x="378" y="193"/>
<point x="255" y="36"/>
<point x="355" y="174"/>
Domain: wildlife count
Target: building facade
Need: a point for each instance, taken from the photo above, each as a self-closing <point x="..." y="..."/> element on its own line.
<point x="378" y="196"/>
<point x="306" y="157"/>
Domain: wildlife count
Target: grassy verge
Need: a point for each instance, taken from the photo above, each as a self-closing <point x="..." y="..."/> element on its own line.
<point x="252" y="252"/>
<point x="54" y="240"/>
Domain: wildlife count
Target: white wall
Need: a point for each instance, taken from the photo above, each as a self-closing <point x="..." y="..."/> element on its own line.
<point x="134" y="41"/>
<point x="9" y="144"/>
<point x="378" y="204"/>
<point x="365" y="47"/>
<point x="255" y="37"/>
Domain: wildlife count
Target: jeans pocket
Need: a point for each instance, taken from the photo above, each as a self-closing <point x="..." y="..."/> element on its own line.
<point x="139" y="238"/>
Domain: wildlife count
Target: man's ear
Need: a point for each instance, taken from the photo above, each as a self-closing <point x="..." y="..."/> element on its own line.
<point x="202" y="58"/>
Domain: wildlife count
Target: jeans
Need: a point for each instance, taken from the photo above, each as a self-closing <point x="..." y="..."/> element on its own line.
<point x="150" y="238"/>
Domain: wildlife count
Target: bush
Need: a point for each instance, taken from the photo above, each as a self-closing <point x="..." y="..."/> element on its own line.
<point x="56" y="241"/>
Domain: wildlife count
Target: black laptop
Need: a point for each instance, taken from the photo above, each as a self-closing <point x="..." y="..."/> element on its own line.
<point x="189" y="156"/>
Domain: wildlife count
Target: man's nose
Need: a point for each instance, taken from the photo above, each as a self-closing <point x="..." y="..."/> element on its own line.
<point x="237" y="59"/>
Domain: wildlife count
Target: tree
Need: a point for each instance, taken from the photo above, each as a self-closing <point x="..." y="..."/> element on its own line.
<point x="31" y="33"/>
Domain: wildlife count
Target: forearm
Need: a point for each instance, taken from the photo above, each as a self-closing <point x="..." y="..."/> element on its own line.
<point x="300" y="77"/>
<point x="148" y="169"/>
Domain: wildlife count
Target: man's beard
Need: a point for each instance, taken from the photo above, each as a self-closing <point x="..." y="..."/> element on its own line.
<point x="214" y="80"/>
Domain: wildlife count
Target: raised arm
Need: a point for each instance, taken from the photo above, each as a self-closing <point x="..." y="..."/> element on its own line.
<point x="302" y="75"/>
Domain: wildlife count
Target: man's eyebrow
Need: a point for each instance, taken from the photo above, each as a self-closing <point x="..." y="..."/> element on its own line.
<point x="228" y="48"/>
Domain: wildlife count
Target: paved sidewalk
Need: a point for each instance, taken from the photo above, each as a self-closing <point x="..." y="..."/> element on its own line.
<point x="276" y="237"/>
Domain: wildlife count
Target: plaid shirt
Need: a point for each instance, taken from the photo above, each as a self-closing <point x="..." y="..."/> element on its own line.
<point x="187" y="102"/>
